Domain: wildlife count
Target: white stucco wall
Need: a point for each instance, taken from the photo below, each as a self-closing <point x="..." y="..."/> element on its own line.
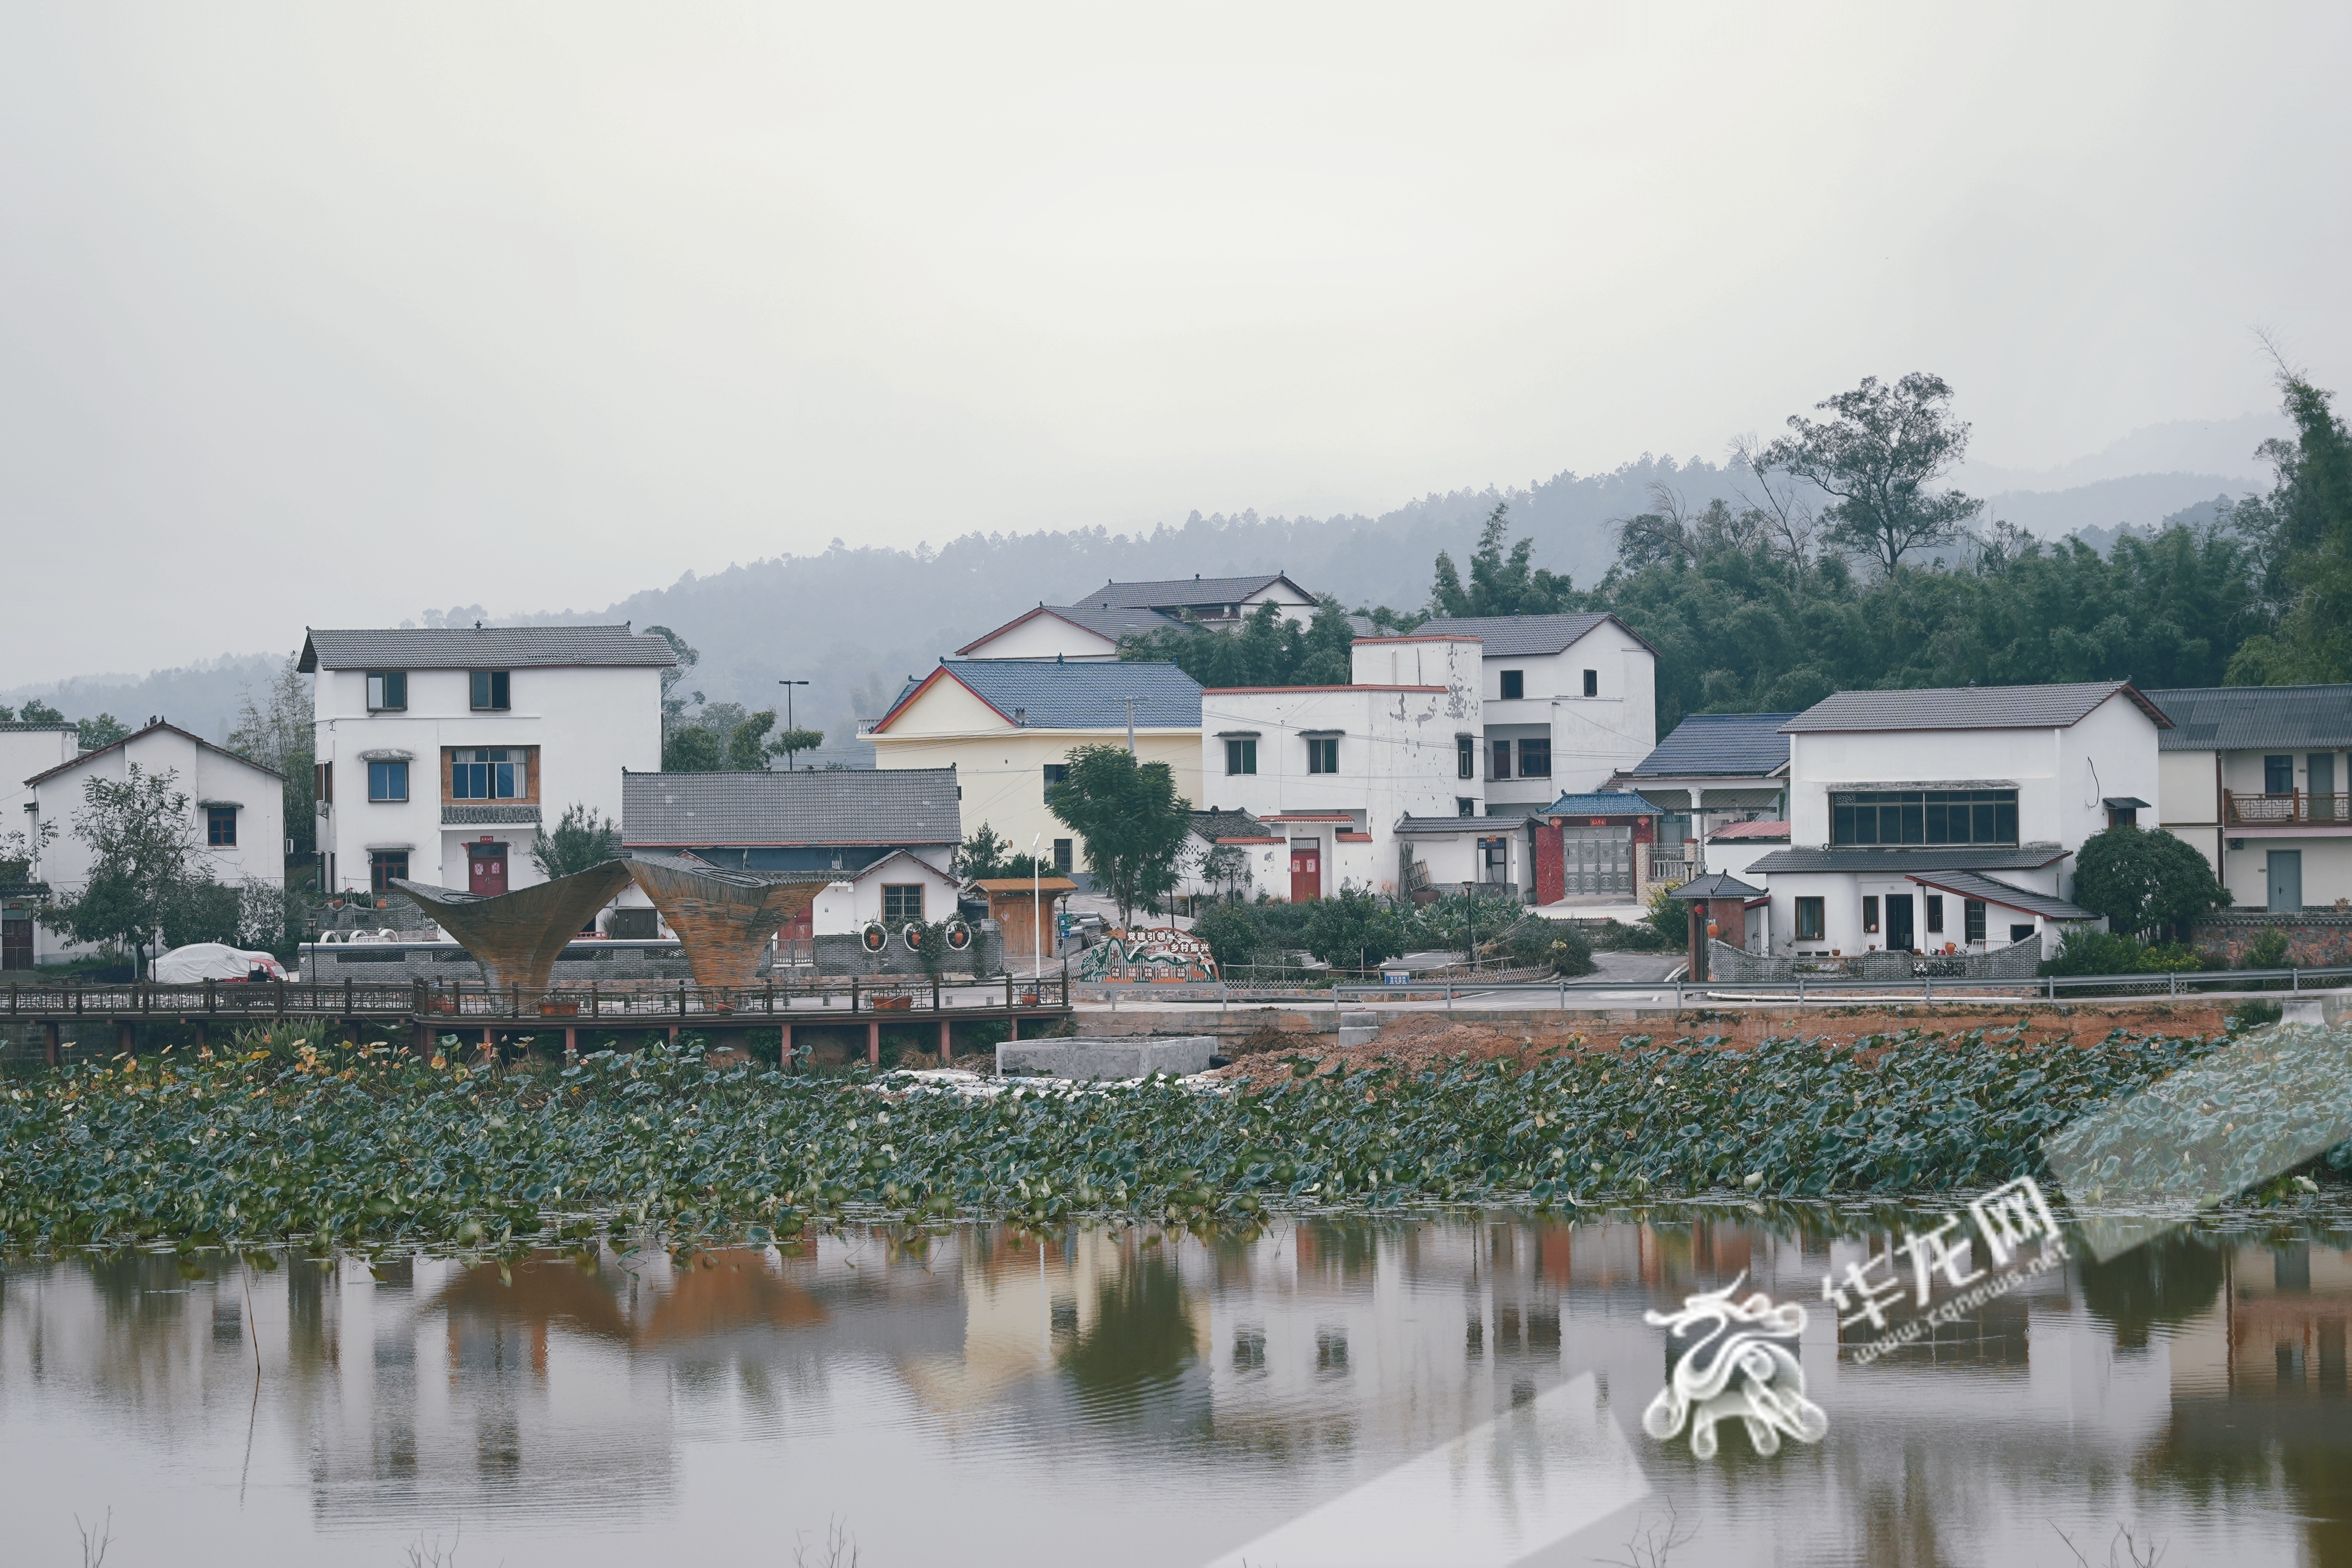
<point x="839" y="912"/>
<point x="589" y="723"/>
<point x="26" y="750"/>
<point x="1397" y="757"/>
<point x="205" y="775"/>
<point x="1044" y="637"/>
<point x="1591" y="737"/>
<point x="1001" y="769"/>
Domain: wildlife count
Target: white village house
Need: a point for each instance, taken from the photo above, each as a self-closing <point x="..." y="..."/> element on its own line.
<point x="1091" y="629"/>
<point x="1333" y="770"/>
<point x="25" y="749"/>
<point x="1569" y="699"/>
<point x="1949" y="819"/>
<point x="444" y="751"/>
<point x="2258" y="778"/>
<point x="888" y="836"/>
<point x="1007" y="727"/>
<point x="236" y="817"/>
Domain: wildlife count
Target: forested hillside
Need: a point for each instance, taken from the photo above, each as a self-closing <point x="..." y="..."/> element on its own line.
<point x="1776" y="600"/>
<point x="856" y="620"/>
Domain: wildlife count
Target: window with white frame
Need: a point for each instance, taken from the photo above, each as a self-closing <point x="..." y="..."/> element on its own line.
<point x="1322" y="753"/>
<point x="1240" y="757"/>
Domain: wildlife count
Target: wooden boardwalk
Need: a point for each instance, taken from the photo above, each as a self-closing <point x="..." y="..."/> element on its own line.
<point x="428" y="1009"/>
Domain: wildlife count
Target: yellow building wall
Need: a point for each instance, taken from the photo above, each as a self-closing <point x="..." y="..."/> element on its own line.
<point x="1001" y="771"/>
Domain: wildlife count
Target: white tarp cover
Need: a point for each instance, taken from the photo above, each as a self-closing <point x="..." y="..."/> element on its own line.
<point x="201" y="961"/>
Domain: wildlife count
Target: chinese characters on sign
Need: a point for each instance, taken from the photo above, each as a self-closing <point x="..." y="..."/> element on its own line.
<point x="1946" y="1263"/>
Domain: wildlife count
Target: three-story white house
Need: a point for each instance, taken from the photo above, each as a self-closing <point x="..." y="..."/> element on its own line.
<point x="1931" y="820"/>
<point x="443" y="753"/>
<point x="1569" y="700"/>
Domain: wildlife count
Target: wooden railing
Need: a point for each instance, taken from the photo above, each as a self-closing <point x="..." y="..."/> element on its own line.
<point x="2287" y="808"/>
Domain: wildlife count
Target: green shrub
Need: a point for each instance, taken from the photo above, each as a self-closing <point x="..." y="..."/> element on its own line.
<point x="1235" y="934"/>
<point x="1670" y="918"/>
<point x="1615" y="936"/>
<point x="2267" y="950"/>
<point x="2252" y="1013"/>
<point x="2088" y="952"/>
<point x="1554" y="944"/>
<point x="1353" y="930"/>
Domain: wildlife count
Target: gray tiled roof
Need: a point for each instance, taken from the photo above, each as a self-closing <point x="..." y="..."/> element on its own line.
<point x="1506" y="823"/>
<point x="1968" y="707"/>
<point x="1607" y="803"/>
<point x="867" y="807"/>
<point x="1084" y="696"/>
<point x="1901" y="861"/>
<point x="1216" y="824"/>
<point x="1113" y="624"/>
<point x="1177" y="592"/>
<point x="1745" y="745"/>
<point x="491" y="647"/>
<point x="1124" y="620"/>
<point x="1517" y="637"/>
<point x="1969" y="885"/>
<point x="2251" y="718"/>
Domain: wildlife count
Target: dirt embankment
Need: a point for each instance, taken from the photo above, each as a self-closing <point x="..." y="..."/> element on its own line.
<point x="1423" y="1040"/>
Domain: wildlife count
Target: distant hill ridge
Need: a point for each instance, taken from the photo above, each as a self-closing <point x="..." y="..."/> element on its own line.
<point x="856" y="621"/>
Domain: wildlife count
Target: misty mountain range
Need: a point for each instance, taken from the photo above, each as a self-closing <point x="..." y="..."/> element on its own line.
<point x="856" y="621"/>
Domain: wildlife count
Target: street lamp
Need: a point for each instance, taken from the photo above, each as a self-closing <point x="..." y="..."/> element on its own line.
<point x="789" y="762"/>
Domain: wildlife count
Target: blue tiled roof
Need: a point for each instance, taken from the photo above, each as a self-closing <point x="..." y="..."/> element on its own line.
<point x="1085" y="696"/>
<point x="1610" y="803"/>
<point x="1745" y="745"/>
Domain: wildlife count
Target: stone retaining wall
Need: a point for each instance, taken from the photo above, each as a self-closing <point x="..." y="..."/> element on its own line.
<point x="2315" y="939"/>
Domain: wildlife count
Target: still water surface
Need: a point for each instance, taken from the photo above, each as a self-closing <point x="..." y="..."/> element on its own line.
<point x="1140" y="1399"/>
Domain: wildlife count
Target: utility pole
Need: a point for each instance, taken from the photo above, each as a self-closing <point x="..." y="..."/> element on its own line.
<point x="791" y="759"/>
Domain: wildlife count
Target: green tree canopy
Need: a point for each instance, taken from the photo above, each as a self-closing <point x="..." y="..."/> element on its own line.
<point x="2304" y="530"/>
<point x="1354" y="930"/>
<point x="147" y="870"/>
<point x="1129" y="819"/>
<point x="1877" y="458"/>
<point x="2145" y="880"/>
<point x="1501" y="584"/>
<point x="789" y="743"/>
<point x="274" y="729"/>
<point x="1265" y="650"/>
<point x="100" y="730"/>
<point x="582" y="837"/>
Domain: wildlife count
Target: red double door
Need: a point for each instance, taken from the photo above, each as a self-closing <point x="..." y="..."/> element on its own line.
<point x="486" y="869"/>
<point x="1306" y="872"/>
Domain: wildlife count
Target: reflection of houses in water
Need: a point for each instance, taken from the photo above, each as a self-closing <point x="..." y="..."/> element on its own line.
<point x="1083" y="1329"/>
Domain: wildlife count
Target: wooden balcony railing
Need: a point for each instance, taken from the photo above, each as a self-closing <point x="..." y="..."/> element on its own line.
<point x="2290" y="808"/>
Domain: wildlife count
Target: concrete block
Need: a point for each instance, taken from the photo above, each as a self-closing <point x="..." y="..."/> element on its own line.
<point x="1132" y="1055"/>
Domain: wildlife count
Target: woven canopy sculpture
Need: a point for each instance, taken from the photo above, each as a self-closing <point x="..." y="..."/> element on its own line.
<point x="724" y="919"/>
<point x="517" y="936"/>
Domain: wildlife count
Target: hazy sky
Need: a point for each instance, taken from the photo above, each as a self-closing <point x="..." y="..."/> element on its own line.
<point x="320" y="313"/>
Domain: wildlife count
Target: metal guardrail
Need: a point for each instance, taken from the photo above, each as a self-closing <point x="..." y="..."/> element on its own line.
<point x="860" y="996"/>
<point x="2050" y="987"/>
